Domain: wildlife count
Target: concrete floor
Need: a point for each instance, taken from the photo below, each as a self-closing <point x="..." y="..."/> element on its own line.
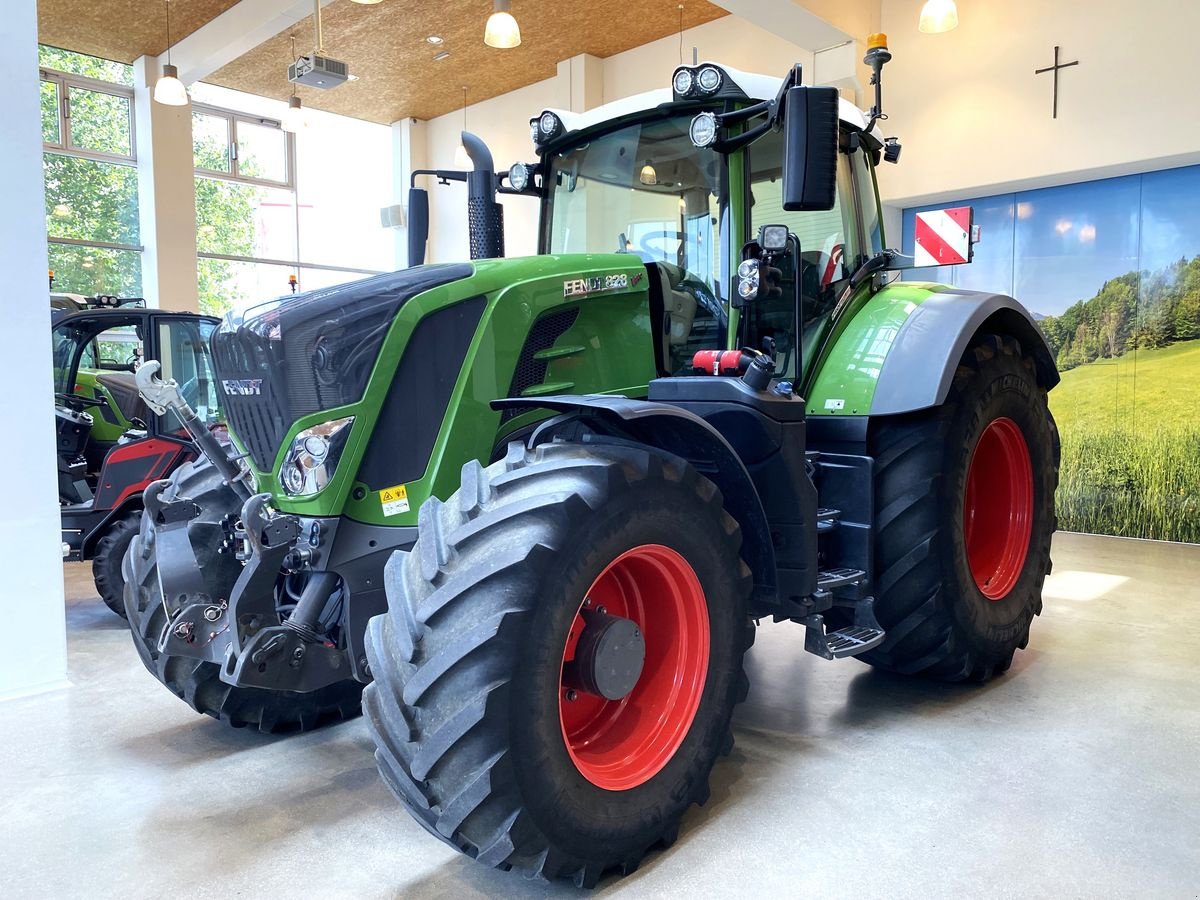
<point x="1073" y="775"/>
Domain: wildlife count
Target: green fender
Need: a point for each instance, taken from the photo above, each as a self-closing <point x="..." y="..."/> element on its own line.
<point x="896" y="350"/>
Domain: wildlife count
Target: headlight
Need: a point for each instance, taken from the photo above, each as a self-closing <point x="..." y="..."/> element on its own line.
<point x="518" y="177"/>
<point x="748" y="279"/>
<point x="703" y="130"/>
<point x="310" y="462"/>
<point x="682" y="82"/>
<point x="709" y="79"/>
<point x="549" y="125"/>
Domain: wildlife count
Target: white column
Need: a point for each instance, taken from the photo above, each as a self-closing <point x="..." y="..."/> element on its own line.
<point x="35" y="656"/>
<point x="166" y="194"/>
<point x="584" y="77"/>
<point x="410" y="150"/>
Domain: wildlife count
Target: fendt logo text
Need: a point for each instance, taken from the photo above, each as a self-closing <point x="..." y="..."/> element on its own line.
<point x="580" y="287"/>
<point x="244" y="387"/>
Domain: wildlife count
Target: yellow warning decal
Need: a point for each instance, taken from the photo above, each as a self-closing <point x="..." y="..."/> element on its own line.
<point x="394" y="500"/>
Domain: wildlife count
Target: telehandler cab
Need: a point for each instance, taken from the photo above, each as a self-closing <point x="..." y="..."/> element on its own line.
<point x="735" y="416"/>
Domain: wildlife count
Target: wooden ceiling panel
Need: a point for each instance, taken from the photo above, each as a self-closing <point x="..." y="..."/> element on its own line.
<point x="397" y="76"/>
<point x="122" y="29"/>
<point x="384" y="45"/>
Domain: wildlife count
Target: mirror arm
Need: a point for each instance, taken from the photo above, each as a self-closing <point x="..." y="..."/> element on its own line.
<point x="443" y="175"/>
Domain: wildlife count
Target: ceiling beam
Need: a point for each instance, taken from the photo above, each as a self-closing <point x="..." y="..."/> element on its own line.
<point x="236" y="32"/>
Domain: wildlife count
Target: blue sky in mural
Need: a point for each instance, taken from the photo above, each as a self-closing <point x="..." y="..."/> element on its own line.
<point x="1052" y="247"/>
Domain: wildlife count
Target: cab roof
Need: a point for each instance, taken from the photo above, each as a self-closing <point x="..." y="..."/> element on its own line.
<point x="747" y="85"/>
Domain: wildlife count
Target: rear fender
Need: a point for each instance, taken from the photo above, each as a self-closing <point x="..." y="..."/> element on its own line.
<point x="898" y="351"/>
<point x="683" y="434"/>
<point x="920" y="366"/>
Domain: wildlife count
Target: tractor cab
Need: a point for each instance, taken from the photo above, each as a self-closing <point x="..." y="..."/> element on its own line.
<point x="682" y="179"/>
<point x="110" y="442"/>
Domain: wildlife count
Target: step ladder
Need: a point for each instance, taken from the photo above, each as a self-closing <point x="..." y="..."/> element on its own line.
<point x="865" y="634"/>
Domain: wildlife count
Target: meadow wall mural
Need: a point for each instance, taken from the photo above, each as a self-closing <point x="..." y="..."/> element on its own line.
<point x="1111" y="268"/>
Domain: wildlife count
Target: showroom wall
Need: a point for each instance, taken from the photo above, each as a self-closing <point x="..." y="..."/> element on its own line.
<point x="976" y="120"/>
<point x="503" y="122"/>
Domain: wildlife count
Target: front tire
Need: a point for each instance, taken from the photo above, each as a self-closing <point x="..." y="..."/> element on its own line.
<point x="964" y="507"/>
<point x="480" y="728"/>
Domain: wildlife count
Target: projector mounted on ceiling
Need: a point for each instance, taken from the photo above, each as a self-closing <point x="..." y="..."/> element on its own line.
<point x="318" y="71"/>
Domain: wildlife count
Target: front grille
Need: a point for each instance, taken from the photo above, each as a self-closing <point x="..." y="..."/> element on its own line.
<point x="309" y="353"/>
<point x="259" y="421"/>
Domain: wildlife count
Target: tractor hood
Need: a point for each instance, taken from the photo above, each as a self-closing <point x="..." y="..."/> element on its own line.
<point x="298" y="355"/>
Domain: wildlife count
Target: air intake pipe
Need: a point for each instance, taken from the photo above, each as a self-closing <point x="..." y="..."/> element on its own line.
<point x="485" y="216"/>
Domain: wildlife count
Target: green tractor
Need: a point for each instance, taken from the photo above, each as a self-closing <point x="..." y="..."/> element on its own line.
<point x="705" y="404"/>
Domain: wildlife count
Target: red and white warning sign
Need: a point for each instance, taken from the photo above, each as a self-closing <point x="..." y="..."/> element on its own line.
<point x="943" y="237"/>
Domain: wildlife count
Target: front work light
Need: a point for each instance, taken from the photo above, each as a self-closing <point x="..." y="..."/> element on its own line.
<point x="682" y="82"/>
<point x="773" y="238"/>
<point x="703" y="130"/>
<point x="709" y="79"/>
<point x="312" y="459"/>
<point x="518" y="177"/>
<point x="748" y="277"/>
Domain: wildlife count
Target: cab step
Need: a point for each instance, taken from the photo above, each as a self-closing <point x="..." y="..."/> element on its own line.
<point x="849" y="641"/>
<point x="832" y="579"/>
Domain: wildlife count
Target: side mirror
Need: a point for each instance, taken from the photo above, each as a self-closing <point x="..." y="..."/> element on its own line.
<point x="945" y="237"/>
<point x="810" y="148"/>
<point x="418" y="225"/>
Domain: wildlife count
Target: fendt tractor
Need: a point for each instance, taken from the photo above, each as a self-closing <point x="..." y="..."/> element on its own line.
<point x="538" y="505"/>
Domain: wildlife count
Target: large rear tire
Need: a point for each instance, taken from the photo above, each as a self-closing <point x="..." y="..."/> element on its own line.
<point x="964" y="506"/>
<point x="479" y="726"/>
<point x="110" y="554"/>
<point x="197" y="682"/>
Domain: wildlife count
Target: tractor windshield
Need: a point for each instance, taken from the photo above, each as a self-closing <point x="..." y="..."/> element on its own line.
<point x="642" y="189"/>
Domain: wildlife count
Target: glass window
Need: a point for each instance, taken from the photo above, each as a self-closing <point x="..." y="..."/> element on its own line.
<point x="829" y="248"/>
<point x="100" y="122"/>
<point x="119" y="348"/>
<point x="96" y="270"/>
<point x="210" y="142"/>
<point x="82" y="64"/>
<point x="646" y="189"/>
<point x="91" y="200"/>
<point x="228" y="286"/>
<point x="183" y="346"/>
<point x="261" y="152"/>
<point x="240" y="219"/>
<point x="51" y="130"/>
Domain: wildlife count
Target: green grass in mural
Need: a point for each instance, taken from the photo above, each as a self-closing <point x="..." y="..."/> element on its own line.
<point x="1131" y="445"/>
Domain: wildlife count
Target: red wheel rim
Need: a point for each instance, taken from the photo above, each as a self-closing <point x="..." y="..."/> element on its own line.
<point x="998" y="508"/>
<point x="620" y="744"/>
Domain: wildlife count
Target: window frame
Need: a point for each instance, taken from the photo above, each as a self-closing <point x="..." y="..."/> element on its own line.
<point x="232" y="118"/>
<point x="65" y="82"/>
